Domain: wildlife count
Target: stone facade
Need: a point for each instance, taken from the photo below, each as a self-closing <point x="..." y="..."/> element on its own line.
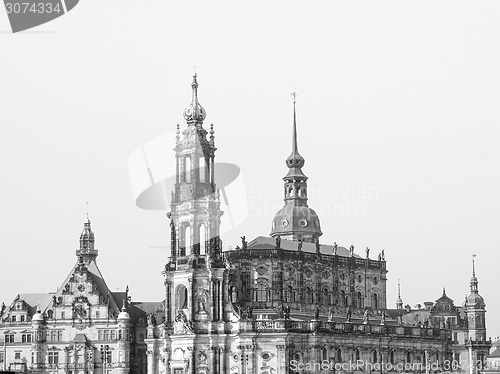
<point x="279" y="304"/>
<point x="80" y="328"/>
<point x="285" y="303"/>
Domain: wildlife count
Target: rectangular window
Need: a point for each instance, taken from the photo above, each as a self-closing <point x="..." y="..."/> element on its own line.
<point x="106" y="334"/>
<point x="99" y="335"/>
<point x="23" y="318"/>
<point x="109" y="357"/>
<point x="53" y="358"/>
<point x="59" y="335"/>
<point x="17" y="355"/>
<point x="63" y="315"/>
<point x="113" y="335"/>
<point x="97" y="316"/>
<point x="13" y="319"/>
<point x="9" y="338"/>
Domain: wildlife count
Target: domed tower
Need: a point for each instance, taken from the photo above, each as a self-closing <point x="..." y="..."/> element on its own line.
<point x="38" y="332"/>
<point x="123" y="341"/>
<point x="296" y="221"/>
<point x="475" y="309"/>
<point x="195" y="207"/>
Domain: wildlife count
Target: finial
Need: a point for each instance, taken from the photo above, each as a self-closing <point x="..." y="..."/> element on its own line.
<point x="194" y="112"/>
<point x="126" y="289"/>
<point x="473" y="266"/>
<point x="123" y="307"/>
<point x="295" y="148"/>
<point x="444" y="291"/>
<point x="212" y="137"/>
<point x="399" y="289"/>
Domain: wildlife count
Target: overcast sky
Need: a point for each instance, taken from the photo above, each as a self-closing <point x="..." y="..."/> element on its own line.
<point x="397" y="114"/>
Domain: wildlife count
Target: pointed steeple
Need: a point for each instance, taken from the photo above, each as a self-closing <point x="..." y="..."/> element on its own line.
<point x="295" y="161"/>
<point x="296" y="221"/>
<point x="399" y="301"/>
<point x="474" y="282"/>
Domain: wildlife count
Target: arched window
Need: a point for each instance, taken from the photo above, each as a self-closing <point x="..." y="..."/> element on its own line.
<point x="187" y="168"/>
<point x="289" y="295"/>
<point x="181" y="297"/>
<point x="324" y="354"/>
<point x="375" y="356"/>
<point x="408" y="357"/>
<point x="201" y="168"/>
<point x="326" y="296"/>
<point x="357" y="355"/>
<point x="375" y="301"/>
<point x="359" y="300"/>
<point x="233" y="293"/>
<point x="263" y="293"/>
<point x="391" y="358"/>
<point x="338" y="355"/>
<point x="308" y="295"/>
<point x="343" y="298"/>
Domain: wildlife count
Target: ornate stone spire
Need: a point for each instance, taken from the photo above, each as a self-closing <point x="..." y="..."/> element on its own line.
<point x="87" y="250"/>
<point x="194" y="112"/>
<point x="295" y="161"/>
<point x="399" y="301"/>
<point x="474" y="282"/>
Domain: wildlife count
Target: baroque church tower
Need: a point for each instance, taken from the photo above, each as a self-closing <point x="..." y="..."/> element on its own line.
<point x="194" y="276"/>
<point x="195" y="207"/>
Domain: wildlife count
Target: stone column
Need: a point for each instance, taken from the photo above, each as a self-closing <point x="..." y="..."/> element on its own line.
<point x="192" y="360"/>
<point x="222" y="360"/>
<point x="167" y="359"/>
<point x="151" y="365"/>
<point x="221" y="299"/>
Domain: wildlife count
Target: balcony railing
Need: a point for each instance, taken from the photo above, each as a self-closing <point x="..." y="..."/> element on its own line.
<point x="345" y="327"/>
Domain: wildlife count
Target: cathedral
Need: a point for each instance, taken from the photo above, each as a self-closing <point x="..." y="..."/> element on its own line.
<point x="280" y="303"/>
